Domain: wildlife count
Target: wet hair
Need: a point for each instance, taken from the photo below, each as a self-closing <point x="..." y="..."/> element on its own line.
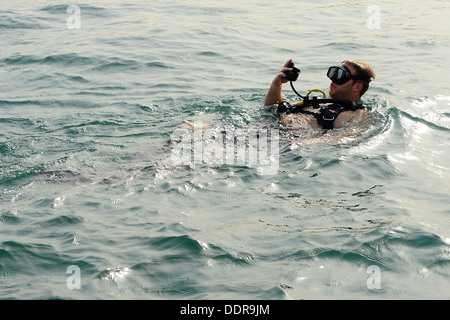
<point x="364" y="71"/>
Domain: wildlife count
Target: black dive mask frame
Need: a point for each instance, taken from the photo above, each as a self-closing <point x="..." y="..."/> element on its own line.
<point x="342" y="74"/>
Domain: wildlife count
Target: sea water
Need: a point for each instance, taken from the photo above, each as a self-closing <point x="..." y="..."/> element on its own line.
<point x="104" y="195"/>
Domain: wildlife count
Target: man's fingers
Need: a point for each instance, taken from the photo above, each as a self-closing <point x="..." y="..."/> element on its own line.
<point x="287" y="63"/>
<point x="282" y="75"/>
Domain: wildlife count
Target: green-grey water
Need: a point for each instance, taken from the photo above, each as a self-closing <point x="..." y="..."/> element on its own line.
<point x="88" y="180"/>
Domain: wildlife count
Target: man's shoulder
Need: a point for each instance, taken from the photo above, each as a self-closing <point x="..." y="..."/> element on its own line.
<point x="350" y="116"/>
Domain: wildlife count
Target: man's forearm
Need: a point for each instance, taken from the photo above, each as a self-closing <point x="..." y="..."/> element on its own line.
<point x="274" y="94"/>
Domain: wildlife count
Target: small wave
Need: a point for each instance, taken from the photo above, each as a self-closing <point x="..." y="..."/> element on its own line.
<point x="60" y="176"/>
<point x="424" y="121"/>
<point x="92" y="10"/>
<point x="10" y="217"/>
<point x="158" y="64"/>
<point x="433" y="112"/>
<point x="61" y="222"/>
<point x="182" y="243"/>
<point x="49" y="103"/>
<point x="117" y="66"/>
<point x="24" y="258"/>
<point x="209" y="54"/>
<point x="67" y="59"/>
<point x="72" y="78"/>
<point x="11" y="20"/>
<point x="13" y="103"/>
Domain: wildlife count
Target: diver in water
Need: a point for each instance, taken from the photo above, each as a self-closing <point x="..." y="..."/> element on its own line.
<point x="350" y="82"/>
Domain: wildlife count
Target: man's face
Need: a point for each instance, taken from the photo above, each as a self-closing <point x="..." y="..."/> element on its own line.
<point x="344" y="91"/>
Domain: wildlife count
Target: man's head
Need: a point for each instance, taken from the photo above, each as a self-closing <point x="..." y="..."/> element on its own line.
<point x="358" y="76"/>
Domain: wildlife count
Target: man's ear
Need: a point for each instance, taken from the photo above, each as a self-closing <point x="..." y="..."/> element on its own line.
<point x="358" y="87"/>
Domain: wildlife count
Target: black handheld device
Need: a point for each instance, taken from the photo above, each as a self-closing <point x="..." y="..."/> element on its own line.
<point x="292" y="75"/>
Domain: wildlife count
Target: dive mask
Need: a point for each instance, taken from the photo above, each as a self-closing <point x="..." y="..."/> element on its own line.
<point x="342" y="74"/>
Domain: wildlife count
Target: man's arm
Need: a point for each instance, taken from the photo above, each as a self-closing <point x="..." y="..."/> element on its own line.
<point x="274" y="94"/>
<point x="350" y="116"/>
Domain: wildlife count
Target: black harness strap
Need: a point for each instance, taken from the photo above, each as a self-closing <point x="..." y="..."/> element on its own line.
<point x="326" y="115"/>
